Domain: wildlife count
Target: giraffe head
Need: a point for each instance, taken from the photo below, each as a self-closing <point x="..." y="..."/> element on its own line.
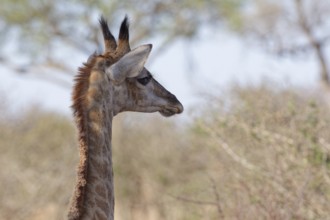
<point x="134" y="88"/>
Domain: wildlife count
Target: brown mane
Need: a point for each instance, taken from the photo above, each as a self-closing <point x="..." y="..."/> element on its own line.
<point x="79" y="102"/>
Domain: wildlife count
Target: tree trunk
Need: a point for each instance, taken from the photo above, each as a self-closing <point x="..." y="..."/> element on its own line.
<point x="324" y="71"/>
<point x="317" y="45"/>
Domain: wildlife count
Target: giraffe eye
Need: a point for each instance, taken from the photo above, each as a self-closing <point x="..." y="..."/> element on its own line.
<point x="144" y="81"/>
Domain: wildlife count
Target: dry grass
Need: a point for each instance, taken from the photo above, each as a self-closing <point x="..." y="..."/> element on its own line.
<point x="37" y="159"/>
<point x="264" y="154"/>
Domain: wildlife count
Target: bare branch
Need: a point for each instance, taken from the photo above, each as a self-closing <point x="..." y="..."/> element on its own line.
<point x="217" y="197"/>
<point x="193" y="201"/>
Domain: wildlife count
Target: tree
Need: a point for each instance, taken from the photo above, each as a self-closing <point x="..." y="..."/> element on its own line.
<point x="38" y="28"/>
<point x="291" y="28"/>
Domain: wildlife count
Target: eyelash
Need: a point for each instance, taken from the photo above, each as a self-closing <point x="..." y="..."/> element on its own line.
<point x="145" y="80"/>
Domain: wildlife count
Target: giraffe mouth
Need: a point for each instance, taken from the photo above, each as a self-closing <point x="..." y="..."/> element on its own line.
<point x="168" y="111"/>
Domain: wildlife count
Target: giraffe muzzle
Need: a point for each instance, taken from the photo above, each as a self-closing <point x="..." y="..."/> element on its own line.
<point x="170" y="110"/>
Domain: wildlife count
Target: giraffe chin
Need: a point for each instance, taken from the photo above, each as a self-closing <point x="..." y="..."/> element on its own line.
<point x="168" y="112"/>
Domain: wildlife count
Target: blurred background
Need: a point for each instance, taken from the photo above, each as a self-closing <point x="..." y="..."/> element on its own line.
<point x="253" y="75"/>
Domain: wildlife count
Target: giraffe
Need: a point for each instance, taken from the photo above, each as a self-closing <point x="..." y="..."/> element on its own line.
<point x="106" y="85"/>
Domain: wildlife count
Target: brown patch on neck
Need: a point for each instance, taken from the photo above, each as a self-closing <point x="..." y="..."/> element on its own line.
<point x="79" y="110"/>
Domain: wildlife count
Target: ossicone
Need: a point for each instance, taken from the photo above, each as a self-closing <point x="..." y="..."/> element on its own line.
<point x="109" y="40"/>
<point x="123" y="41"/>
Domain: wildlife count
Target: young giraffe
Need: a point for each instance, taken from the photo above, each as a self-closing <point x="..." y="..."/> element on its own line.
<point x="107" y="84"/>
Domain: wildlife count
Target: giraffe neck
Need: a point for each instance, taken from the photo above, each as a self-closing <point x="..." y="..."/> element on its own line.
<point x="94" y="193"/>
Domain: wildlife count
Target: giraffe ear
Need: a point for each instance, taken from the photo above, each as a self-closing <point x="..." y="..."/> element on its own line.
<point x="130" y="65"/>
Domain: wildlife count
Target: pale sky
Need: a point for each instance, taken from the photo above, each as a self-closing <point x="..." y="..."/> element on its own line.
<point x="219" y="60"/>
